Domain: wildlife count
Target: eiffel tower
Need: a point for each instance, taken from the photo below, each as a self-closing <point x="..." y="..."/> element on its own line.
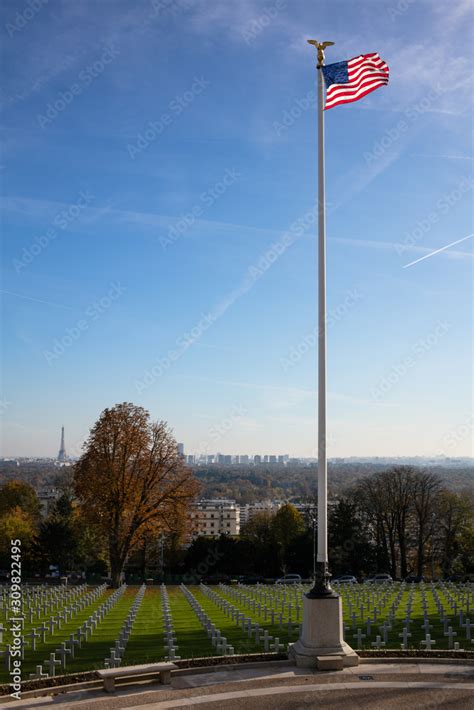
<point x="62" y="449"/>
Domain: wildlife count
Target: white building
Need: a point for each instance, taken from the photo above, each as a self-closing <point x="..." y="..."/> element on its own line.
<point x="212" y="518"/>
<point x="250" y="509"/>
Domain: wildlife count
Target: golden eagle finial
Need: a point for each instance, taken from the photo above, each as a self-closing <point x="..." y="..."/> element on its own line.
<point x="320" y="46"/>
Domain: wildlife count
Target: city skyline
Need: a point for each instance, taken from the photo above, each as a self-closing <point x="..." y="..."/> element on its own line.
<point x="159" y="243"/>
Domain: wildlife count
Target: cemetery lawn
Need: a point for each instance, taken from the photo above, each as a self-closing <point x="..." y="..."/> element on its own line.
<point x="442" y="607"/>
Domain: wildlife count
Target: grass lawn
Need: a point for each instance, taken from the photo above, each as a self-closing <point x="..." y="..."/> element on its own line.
<point x="146" y="641"/>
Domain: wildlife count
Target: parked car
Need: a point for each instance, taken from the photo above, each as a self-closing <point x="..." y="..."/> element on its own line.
<point x="345" y="579"/>
<point x="289" y="579"/>
<point x="381" y="579"/>
<point x="414" y="579"/>
<point x="250" y="579"/>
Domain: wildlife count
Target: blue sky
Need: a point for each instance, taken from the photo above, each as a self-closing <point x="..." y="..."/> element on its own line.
<point x="154" y="157"/>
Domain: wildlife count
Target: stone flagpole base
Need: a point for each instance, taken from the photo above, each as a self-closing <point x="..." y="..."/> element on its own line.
<point x="321" y="644"/>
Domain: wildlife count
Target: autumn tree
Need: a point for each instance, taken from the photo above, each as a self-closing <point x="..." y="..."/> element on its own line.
<point x="19" y="518"/>
<point x="18" y="494"/>
<point x="15" y="524"/>
<point x="131" y="481"/>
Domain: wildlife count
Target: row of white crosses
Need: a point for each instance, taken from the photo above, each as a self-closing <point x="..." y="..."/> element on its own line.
<point x="356" y="595"/>
<point x="406" y="634"/>
<point x="66" y="601"/>
<point x="117" y="652"/>
<point x="40" y="601"/>
<point x="278" y="597"/>
<point x="253" y="629"/>
<point x="169" y="638"/>
<point x="459" y="607"/>
<point x="265" y="604"/>
<point x="428" y="641"/>
<point x="39" y="633"/>
<point x="367" y="605"/>
<point x="68" y="648"/>
<point x="282" y="597"/>
<point x="218" y="641"/>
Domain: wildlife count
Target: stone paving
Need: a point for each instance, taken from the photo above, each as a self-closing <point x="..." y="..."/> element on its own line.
<point x="370" y="685"/>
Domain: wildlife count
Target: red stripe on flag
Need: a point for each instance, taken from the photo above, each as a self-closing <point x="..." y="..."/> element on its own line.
<point x="365" y="74"/>
<point x="348" y="101"/>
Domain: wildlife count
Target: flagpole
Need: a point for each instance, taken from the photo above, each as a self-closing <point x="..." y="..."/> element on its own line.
<point x="321" y="642"/>
<point x="321" y="585"/>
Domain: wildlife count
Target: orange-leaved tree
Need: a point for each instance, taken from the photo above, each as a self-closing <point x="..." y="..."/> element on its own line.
<point x="131" y="480"/>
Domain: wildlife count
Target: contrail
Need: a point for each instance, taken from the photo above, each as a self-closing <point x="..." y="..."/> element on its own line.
<point x="437" y="251"/>
<point x="36" y="300"/>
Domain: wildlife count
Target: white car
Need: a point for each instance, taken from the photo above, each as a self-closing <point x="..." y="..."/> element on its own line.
<point x="289" y="579"/>
<point x="346" y="579"/>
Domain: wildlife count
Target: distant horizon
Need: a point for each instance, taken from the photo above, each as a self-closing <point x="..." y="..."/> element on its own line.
<point x="251" y="456"/>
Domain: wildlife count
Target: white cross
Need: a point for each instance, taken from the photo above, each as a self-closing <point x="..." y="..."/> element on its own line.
<point x="385" y="628"/>
<point x="52" y="623"/>
<point x="359" y="636"/>
<point x="426" y="626"/>
<point x="73" y="641"/>
<point x="468" y="626"/>
<point x="81" y="634"/>
<point x="428" y="642"/>
<point x="266" y="640"/>
<point x="276" y="645"/>
<point x="38" y="673"/>
<point x="450" y="634"/>
<point x="405" y="635"/>
<point x="378" y="643"/>
<point x="52" y="663"/>
<point x="62" y="653"/>
<point x="33" y="636"/>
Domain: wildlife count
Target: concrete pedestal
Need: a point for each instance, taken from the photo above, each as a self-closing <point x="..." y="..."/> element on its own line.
<point x="322" y="636"/>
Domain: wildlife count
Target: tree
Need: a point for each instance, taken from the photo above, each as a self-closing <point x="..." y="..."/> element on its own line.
<point x="16" y="524"/>
<point x="455" y="530"/>
<point x="426" y="491"/>
<point x="58" y="540"/>
<point x="258" y="532"/>
<point x="288" y="524"/>
<point x="131" y="480"/>
<point x="17" y="494"/>
<point x="350" y="551"/>
<point x="373" y="500"/>
<point x="399" y="482"/>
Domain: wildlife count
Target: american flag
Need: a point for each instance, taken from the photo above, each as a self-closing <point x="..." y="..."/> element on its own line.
<point x="351" y="80"/>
